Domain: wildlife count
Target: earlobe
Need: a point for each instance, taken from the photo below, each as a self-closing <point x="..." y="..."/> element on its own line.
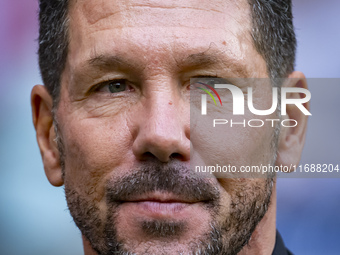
<point x="41" y="103"/>
<point x="292" y="139"/>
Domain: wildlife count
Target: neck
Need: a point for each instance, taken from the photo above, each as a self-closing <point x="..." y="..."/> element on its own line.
<point x="87" y="247"/>
<point x="263" y="238"/>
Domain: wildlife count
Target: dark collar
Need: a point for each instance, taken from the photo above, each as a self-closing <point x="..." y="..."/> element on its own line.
<point x="280" y="248"/>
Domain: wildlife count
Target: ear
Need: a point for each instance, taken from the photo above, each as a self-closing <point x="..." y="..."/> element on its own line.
<point x="41" y="103"/>
<point x="292" y="139"/>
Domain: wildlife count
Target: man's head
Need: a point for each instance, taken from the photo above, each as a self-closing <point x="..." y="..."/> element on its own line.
<point x="117" y="76"/>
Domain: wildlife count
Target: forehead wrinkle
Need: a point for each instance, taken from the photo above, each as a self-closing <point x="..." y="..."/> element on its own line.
<point x="102" y="10"/>
<point x="99" y="7"/>
<point x="92" y="14"/>
<point x="176" y="8"/>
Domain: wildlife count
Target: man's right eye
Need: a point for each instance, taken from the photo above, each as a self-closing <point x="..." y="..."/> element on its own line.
<point x="114" y="86"/>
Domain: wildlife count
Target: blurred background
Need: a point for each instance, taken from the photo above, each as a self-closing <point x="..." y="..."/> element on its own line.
<point x="34" y="218"/>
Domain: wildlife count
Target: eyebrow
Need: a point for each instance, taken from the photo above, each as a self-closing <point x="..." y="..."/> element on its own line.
<point x="200" y="59"/>
<point x="108" y="61"/>
<point x="196" y="60"/>
<point x="204" y="59"/>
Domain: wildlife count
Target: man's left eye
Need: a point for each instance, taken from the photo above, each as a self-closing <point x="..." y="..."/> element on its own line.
<point x="116" y="86"/>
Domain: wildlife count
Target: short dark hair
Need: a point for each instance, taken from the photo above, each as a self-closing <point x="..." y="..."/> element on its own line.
<point x="53" y="43"/>
<point x="272" y="32"/>
<point x="273" y="35"/>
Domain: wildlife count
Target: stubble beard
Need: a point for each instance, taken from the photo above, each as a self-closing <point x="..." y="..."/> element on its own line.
<point x="227" y="238"/>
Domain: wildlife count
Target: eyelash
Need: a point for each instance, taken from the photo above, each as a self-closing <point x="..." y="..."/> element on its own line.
<point x="216" y="78"/>
<point x="101" y="85"/>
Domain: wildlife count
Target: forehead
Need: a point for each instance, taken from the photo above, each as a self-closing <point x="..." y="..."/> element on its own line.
<point x="159" y="29"/>
<point x="167" y="12"/>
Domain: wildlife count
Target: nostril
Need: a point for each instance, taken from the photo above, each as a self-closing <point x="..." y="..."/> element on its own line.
<point x="176" y="156"/>
<point x="148" y="156"/>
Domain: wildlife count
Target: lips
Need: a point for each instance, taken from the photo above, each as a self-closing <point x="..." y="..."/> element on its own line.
<point x="161" y="208"/>
<point x="166" y="191"/>
<point x="162" y="197"/>
<point x="160" y="205"/>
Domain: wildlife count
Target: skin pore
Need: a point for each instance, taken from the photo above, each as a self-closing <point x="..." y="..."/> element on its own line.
<point x="123" y="130"/>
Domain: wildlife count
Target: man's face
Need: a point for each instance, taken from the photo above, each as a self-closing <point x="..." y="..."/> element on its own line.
<point x="124" y="126"/>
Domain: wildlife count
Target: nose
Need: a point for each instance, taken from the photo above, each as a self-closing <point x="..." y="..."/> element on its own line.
<point x="163" y="128"/>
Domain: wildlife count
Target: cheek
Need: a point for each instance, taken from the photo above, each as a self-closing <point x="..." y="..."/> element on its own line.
<point x="219" y="137"/>
<point x="94" y="149"/>
<point x="236" y="146"/>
